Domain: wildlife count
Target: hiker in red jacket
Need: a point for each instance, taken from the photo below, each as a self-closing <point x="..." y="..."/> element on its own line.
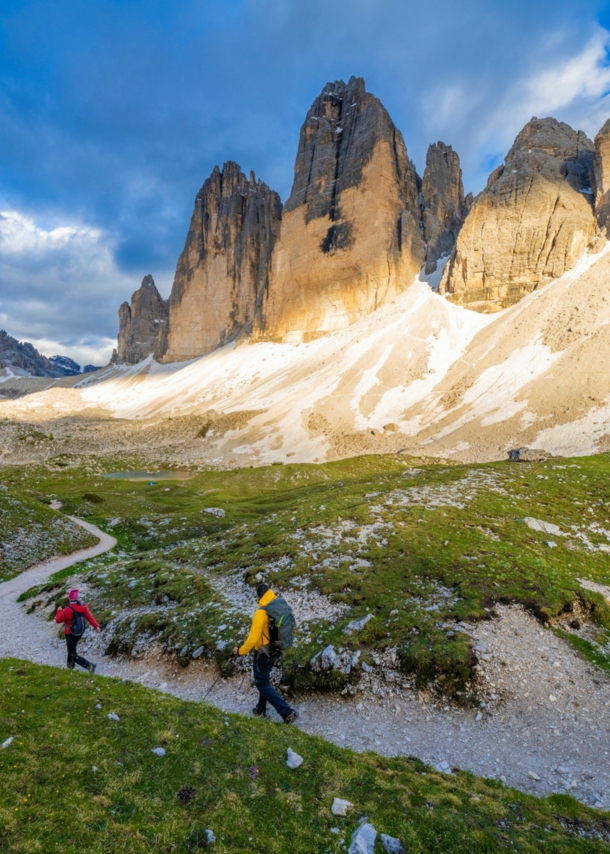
<point x="74" y="617"/>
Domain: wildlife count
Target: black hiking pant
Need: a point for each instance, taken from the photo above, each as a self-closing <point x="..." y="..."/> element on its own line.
<point x="262" y="674"/>
<point x="73" y="656"/>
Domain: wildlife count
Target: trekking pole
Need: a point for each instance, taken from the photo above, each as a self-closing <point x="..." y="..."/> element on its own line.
<point x="218" y="678"/>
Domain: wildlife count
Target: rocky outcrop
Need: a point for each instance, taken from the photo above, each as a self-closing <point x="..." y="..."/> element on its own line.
<point x="23" y="359"/>
<point x="64" y="366"/>
<point x="351" y="236"/>
<point x="223" y="272"/>
<point x="142" y="324"/>
<point x="602" y="176"/>
<point x="531" y="223"/>
<point x="443" y="204"/>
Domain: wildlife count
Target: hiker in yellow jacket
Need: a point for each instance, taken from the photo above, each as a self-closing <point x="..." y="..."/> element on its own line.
<point x="264" y="659"/>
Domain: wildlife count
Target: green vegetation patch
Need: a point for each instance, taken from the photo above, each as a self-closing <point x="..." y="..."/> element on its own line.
<point x="413" y="553"/>
<point x="597" y="653"/>
<point x="31" y="532"/>
<point x="71" y="773"/>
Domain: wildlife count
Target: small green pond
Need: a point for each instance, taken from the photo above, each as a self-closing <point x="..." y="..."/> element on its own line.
<point x="150" y="475"/>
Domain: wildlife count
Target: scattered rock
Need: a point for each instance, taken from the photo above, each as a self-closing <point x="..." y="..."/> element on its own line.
<point x="329" y="659"/>
<point x="533" y="776"/>
<point x="392" y="428"/>
<point x="112" y="716"/>
<point x="340" y="807"/>
<point x="6" y="743"/>
<point x="197" y="652"/>
<point x="158" y="751"/>
<point x="527" y="455"/>
<point x="357" y="625"/>
<point x="391" y="845"/>
<point x="575" y="624"/>
<point x="294" y="760"/>
<point x="95" y="769"/>
<point x="214" y="511"/>
<point x="444" y="767"/>
<point x="544" y="527"/>
<point x="363" y="840"/>
<point x="479" y="716"/>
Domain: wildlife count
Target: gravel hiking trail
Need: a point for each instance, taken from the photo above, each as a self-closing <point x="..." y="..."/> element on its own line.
<point x="544" y="726"/>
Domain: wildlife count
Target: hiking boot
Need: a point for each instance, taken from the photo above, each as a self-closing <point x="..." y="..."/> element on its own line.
<point x="92" y="668"/>
<point x="291" y="716"/>
<point x="256" y="711"/>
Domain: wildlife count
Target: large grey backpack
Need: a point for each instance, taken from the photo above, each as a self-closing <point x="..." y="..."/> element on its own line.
<point x="281" y="625"/>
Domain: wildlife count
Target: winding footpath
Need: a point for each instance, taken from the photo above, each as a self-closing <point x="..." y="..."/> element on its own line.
<point x="547" y="727"/>
<point x="27" y="637"/>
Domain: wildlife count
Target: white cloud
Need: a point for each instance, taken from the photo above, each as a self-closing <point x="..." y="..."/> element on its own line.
<point x="60" y="287"/>
<point x="568" y="83"/>
<point x="19" y="233"/>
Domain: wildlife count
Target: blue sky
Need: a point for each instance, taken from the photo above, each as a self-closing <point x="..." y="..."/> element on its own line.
<point x="113" y="113"/>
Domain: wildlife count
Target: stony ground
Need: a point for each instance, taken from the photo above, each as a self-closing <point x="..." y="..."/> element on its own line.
<point x="544" y="725"/>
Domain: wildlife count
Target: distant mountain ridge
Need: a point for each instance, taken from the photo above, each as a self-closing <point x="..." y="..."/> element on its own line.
<point x="360" y="224"/>
<point x="21" y="358"/>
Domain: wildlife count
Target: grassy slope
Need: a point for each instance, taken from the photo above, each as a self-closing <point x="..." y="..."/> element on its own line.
<point x="50" y="796"/>
<point x="31" y="532"/>
<point x="419" y="545"/>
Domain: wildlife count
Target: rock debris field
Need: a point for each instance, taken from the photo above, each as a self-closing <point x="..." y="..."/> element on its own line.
<point x="543" y="725"/>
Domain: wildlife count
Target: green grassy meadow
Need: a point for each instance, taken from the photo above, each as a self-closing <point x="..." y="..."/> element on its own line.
<point x="421" y="547"/>
<point x="31" y="532"/>
<point x="227" y="774"/>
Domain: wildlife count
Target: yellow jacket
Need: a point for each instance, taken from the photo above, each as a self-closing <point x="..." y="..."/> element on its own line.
<point x="259" y="630"/>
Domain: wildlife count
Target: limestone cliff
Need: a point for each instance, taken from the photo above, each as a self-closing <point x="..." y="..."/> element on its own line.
<point x="142" y="324"/>
<point x="443" y="204"/>
<point x="223" y="271"/>
<point x="351" y="236"/>
<point x="530" y="224"/>
<point x="602" y="176"/>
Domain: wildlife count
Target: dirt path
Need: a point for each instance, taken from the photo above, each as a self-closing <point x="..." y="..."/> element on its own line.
<point x="25" y="637"/>
<point x="545" y="725"/>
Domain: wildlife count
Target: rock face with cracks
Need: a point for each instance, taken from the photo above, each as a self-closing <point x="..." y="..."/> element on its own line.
<point x="443" y="204"/>
<point x="351" y="236"/>
<point x="223" y="271"/>
<point x="602" y="176"/>
<point x="142" y="325"/>
<point x="532" y="222"/>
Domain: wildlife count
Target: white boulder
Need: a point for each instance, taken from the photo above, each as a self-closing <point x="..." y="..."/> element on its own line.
<point x="363" y="840"/>
<point x="294" y="760"/>
<point x="340" y="807"/>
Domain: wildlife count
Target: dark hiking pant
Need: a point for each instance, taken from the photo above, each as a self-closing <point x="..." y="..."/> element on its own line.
<point x="73" y="656"/>
<point x="262" y="673"/>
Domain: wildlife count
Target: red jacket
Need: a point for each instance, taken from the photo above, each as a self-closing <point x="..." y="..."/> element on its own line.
<point x="64" y="615"/>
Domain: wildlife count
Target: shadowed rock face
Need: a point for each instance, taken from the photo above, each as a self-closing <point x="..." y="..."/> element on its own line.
<point x="602" y="176"/>
<point x="443" y="204"/>
<point x="530" y="224"/>
<point x="24" y="357"/>
<point x="223" y="271"/>
<point x="142" y="324"/>
<point x="351" y="234"/>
